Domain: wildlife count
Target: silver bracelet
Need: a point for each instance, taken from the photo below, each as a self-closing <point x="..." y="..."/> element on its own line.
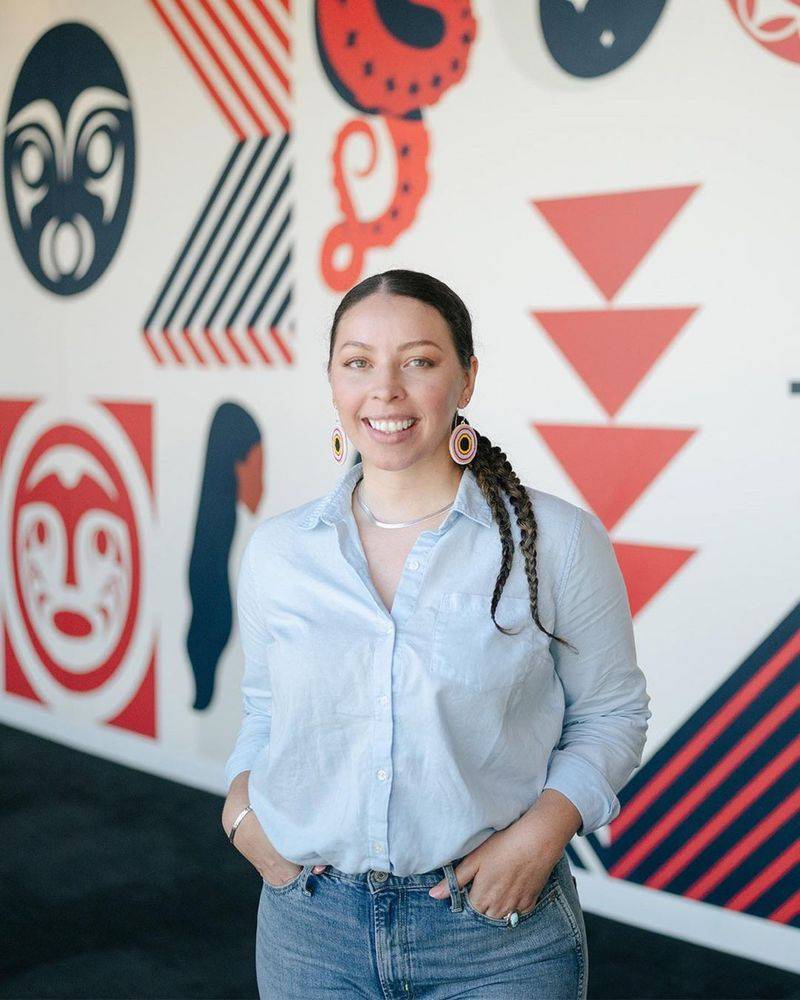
<point x="237" y="821"/>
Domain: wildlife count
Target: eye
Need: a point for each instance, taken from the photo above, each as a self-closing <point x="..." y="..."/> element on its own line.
<point x="425" y="362"/>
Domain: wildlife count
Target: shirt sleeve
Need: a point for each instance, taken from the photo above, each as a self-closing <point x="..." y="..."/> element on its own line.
<point x="256" y="694"/>
<point x="606" y="701"/>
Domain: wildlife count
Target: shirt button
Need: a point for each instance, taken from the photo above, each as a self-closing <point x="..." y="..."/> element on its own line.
<point x="414" y="564"/>
<point x="388" y="627"/>
<point x="383" y="775"/>
<point x="377" y="848"/>
<point x="383" y="700"/>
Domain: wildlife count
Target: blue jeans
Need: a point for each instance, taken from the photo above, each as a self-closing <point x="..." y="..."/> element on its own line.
<point x="379" y="935"/>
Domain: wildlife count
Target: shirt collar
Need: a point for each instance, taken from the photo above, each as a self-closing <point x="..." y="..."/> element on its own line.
<point x="335" y="506"/>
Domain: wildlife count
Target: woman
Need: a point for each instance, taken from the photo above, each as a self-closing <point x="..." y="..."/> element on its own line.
<point x="419" y="745"/>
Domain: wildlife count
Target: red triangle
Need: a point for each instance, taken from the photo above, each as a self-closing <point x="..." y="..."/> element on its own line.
<point x="139" y="715"/>
<point x="610" y="234"/>
<point x="646" y="569"/>
<point x="612" y="466"/>
<point x="136" y="421"/>
<point x="613" y="349"/>
<point x="11" y="411"/>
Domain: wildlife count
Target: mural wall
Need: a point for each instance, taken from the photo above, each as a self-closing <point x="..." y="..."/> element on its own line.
<point x="190" y="186"/>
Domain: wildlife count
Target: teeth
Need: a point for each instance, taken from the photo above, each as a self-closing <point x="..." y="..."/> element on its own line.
<point x="390" y="426"/>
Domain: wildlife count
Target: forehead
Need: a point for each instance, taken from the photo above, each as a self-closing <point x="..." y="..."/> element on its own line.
<point x="382" y="318"/>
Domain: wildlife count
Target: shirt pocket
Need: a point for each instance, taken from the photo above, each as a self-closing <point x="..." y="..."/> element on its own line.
<point x="468" y="649"/>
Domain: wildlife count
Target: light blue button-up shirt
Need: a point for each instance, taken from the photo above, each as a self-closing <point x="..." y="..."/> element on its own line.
<point x="399" y="741"/>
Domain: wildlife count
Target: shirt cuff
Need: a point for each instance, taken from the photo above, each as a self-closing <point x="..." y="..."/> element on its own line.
<point x="241" y="762"/>
<point x="585" y="787"/>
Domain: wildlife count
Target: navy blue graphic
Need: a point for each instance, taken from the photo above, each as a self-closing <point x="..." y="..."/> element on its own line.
<point x="233" y="472"/>
<point x="588" y="38"/>
<point x="68" y="159"/>
<point x="720" y="824"/>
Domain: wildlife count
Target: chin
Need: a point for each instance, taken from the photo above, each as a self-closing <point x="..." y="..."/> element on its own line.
<point x="389" y="463"/>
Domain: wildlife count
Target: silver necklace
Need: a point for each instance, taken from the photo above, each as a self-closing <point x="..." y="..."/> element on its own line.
<point x="395" y="524"/>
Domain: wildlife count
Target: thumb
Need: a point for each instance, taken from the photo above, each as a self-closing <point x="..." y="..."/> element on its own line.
<point x="440" y="890"/>
<point x="318" y="868"/>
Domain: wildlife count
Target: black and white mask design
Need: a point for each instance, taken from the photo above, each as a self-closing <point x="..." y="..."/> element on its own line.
<point x="69" y="158"/>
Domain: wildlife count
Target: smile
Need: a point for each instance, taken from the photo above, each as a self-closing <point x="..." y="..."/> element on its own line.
<point x="391" y="431"/>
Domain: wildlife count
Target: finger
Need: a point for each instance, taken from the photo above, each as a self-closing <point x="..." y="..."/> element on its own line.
<point x="462" y="875"/>
<point x="318" y="868"/>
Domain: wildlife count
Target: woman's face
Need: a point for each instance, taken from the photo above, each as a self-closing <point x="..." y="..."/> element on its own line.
<point x="377" y="372"/>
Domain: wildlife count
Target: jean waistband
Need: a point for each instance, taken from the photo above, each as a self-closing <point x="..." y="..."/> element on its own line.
<point x="428" y="879"/>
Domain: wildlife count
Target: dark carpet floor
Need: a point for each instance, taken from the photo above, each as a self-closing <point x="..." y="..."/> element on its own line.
<point x="116" y="883"/>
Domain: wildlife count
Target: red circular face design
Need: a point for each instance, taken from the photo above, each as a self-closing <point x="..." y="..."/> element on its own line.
<point x="76" y="557"/>
<point x="775" y="26"/>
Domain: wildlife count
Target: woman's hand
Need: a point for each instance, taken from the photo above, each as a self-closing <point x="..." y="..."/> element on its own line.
<point x="251" y="840"/>
<point x="508" y="871"/>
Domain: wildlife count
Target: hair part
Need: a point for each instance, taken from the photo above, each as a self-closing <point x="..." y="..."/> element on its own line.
<point x="492" y="469"/>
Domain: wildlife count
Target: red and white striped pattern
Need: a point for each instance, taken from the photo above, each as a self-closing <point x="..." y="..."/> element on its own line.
<point x="241" y="51"/>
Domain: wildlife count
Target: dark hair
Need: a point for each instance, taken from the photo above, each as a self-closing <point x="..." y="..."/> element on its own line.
<point x="490" y="465"/>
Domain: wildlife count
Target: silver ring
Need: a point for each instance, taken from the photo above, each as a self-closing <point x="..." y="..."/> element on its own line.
<point x="512" y="918"/>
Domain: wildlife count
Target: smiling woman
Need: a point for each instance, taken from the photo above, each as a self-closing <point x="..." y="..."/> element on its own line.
<point x="418" y="744"/>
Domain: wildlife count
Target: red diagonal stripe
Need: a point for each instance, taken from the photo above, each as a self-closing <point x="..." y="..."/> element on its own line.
<point x="787" y="911"/>
<point x="148" y="339"/>
<point x="765" y="879"/>
<point x="262" y="48"/>
<point x="273" y="24"/>
<point x="193" y="347"/>
<point x="228" y="115"/>
<point x="713" y="779"/>
<point x="253" y="337"/>
<point x="260" y="125"/>
<point x="744" y="798"/>
<point x="175" y="353"/>
<point x="744" y="849"/>
<point x="240" y="55"/>
<point x="704" y="737"/>
<point x="236" y="349"/>
<point x="213" y="345"/>
<point x="282" y="346"/>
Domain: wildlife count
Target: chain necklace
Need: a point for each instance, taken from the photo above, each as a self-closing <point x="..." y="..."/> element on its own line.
<point x="394" y="524"/>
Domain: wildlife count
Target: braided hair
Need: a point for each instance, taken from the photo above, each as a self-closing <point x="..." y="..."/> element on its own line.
<point x="492" y="469"/>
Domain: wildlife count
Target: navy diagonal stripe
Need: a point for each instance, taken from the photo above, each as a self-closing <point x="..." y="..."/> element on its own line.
<point x="244" y="255"/>
<point x="259" y="270"/>
<point x="244" y="215"/>
<point x="281" y="309"/>
<point x="272" y="285"/>
<point x="220" y="222"/>
<point x="195" y="230"/>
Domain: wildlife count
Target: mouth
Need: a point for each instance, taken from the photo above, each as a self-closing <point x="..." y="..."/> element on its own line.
<point x="390" y="437"/>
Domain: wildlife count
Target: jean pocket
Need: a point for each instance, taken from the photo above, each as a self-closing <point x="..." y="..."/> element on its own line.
<point x="548" y="895"/>
<point x="286" y="885"/>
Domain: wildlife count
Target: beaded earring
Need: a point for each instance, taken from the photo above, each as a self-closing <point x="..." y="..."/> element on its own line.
<point x="463" y="441"/>
<point x="338" y="441"/>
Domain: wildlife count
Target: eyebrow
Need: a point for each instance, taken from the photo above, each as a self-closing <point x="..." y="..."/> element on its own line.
<point x="402" y="347"/>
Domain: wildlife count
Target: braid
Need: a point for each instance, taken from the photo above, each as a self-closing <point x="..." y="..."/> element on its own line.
<point x="494" y="473"/>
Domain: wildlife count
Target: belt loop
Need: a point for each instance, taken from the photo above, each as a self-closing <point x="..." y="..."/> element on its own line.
<point x="304" y="879"/>
<point x="455" y="891"/>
